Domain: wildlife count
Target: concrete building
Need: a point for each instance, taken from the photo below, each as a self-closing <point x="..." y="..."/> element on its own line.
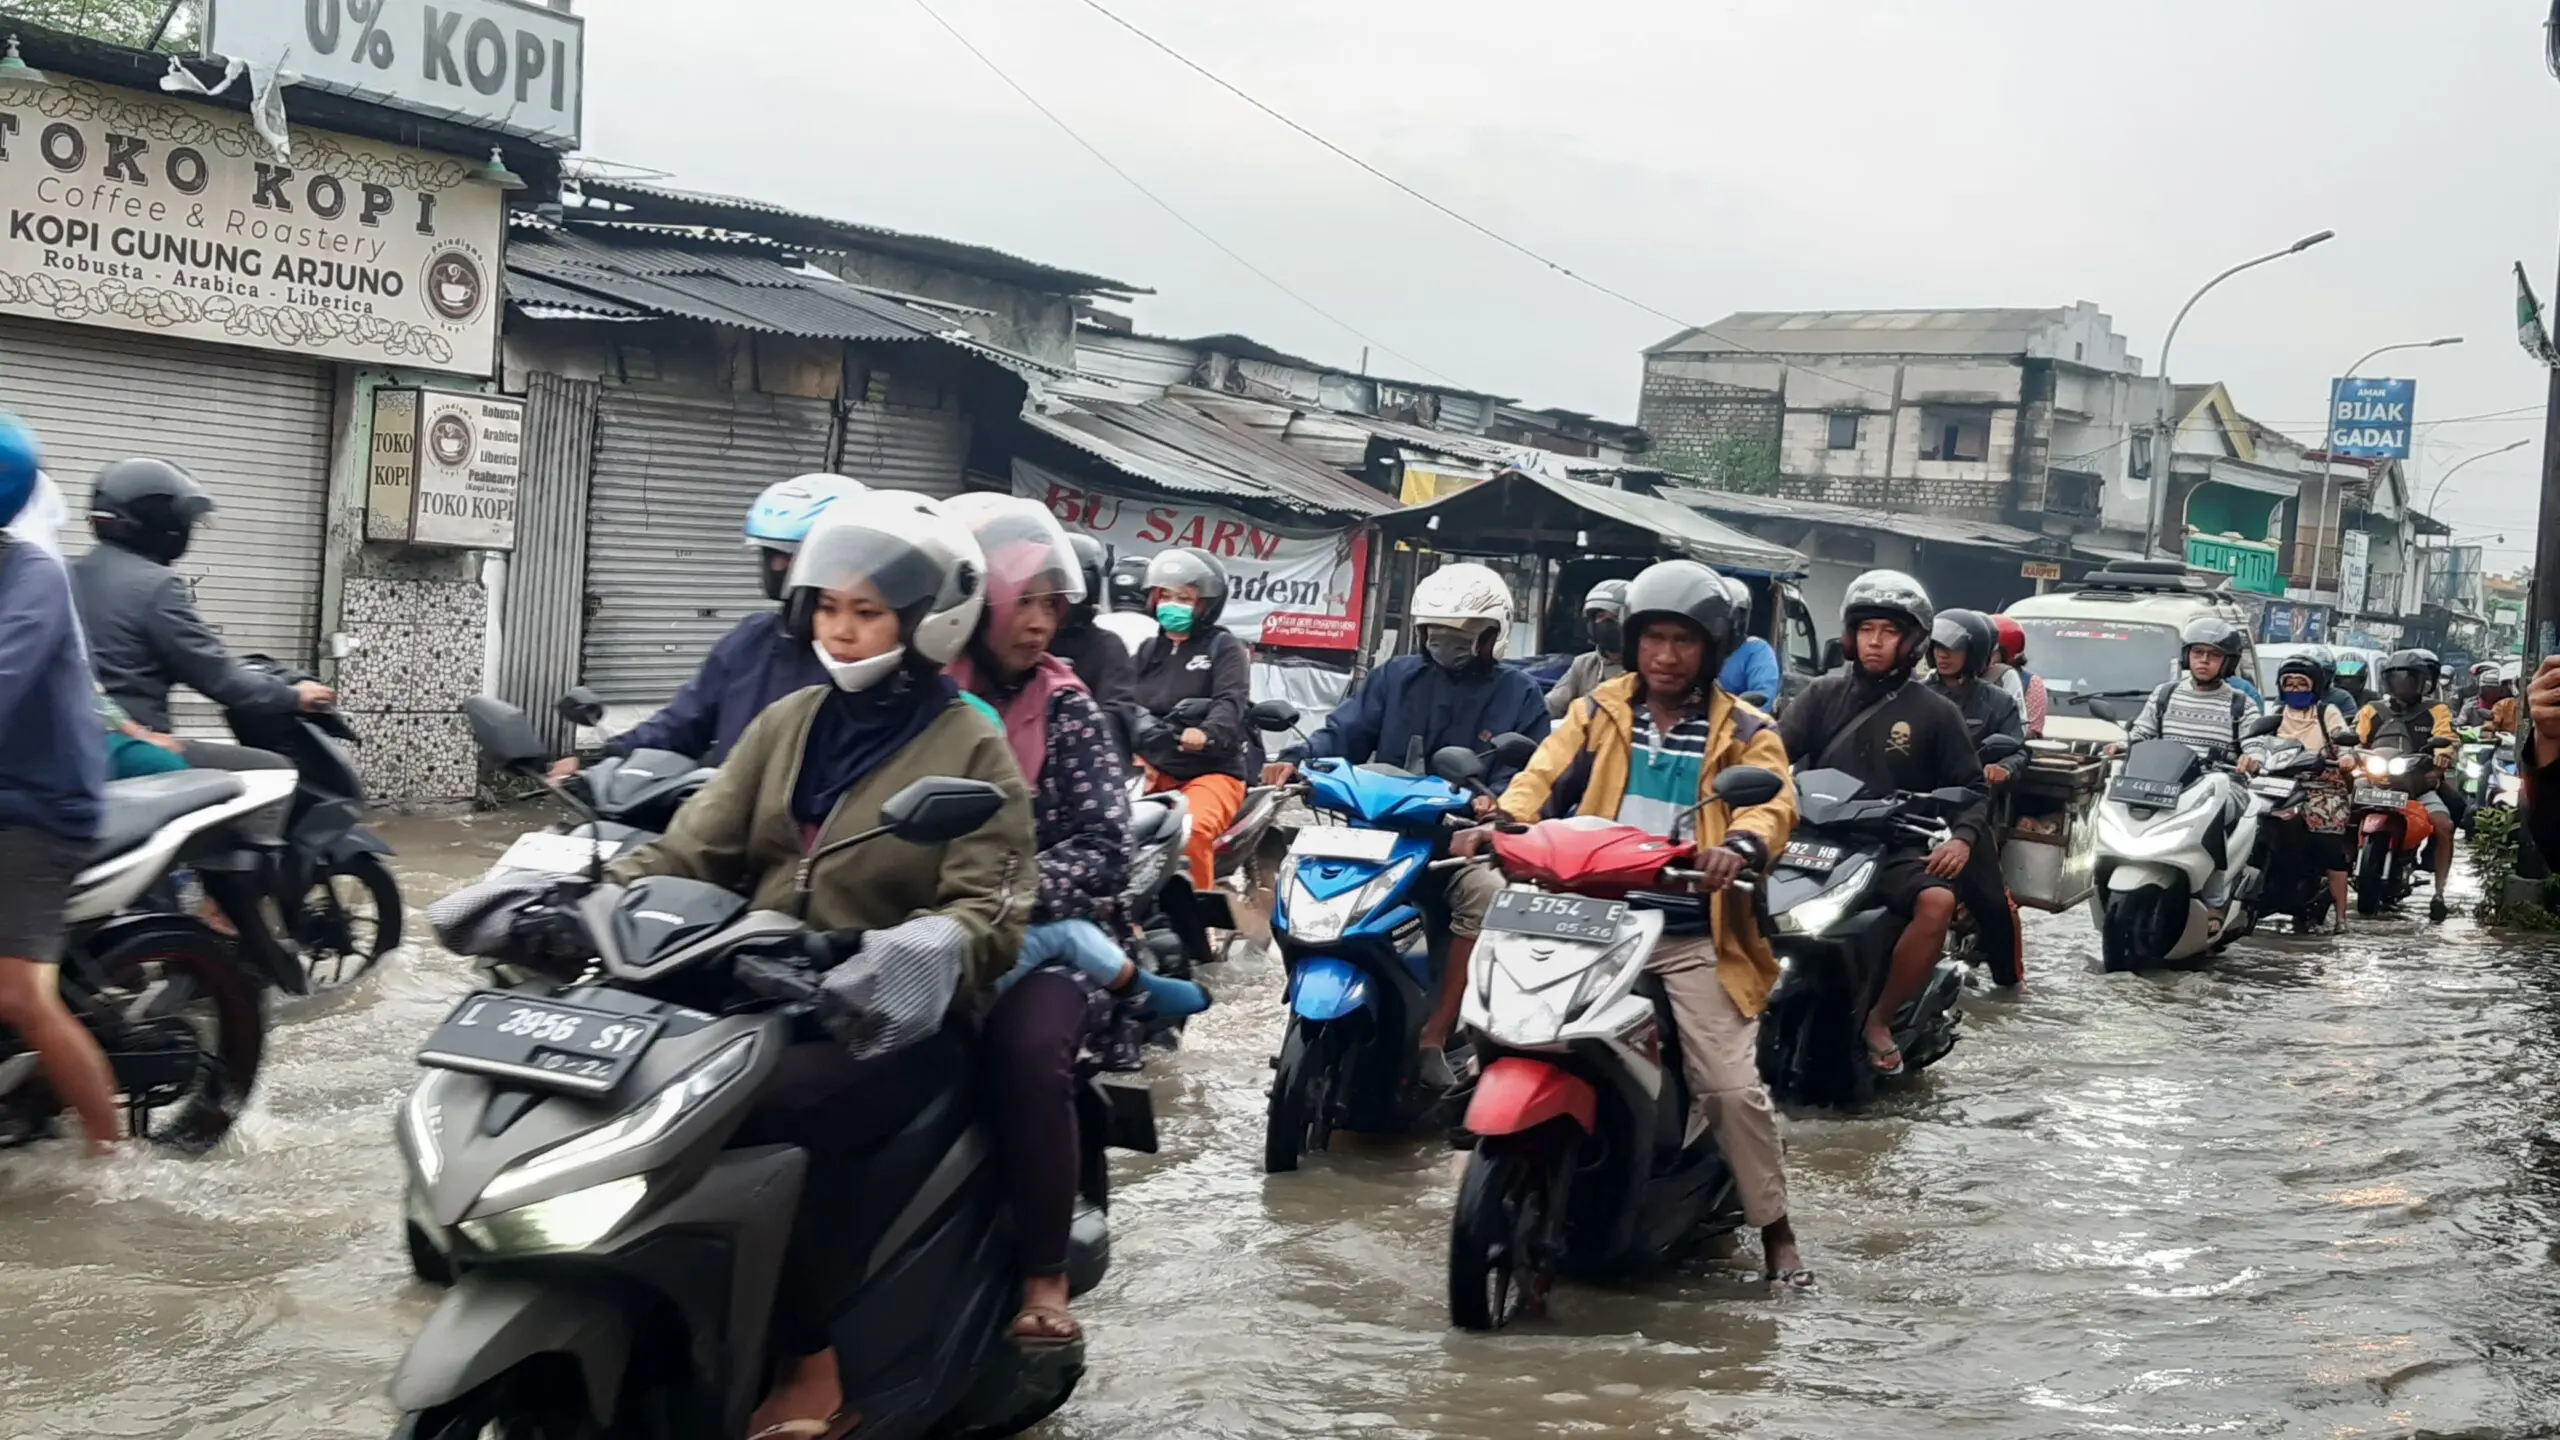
<point x="2015" y="416"/>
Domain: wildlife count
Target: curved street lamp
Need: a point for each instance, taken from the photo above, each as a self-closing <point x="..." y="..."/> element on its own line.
<point x="2160" y="440"/>
<point x="2438" y="493"/>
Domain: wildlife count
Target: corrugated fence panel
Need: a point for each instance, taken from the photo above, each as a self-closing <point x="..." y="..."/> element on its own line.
<point x="253" y="427"/>
<point x="667" y="569"/>
<point x="896" y="447"/>
<point x="546" y="577"/>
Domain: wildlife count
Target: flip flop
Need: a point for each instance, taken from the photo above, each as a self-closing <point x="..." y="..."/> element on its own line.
<point x="1056" y="1329"/>
<point x="1877" y="1058"/>
<point x="834" y="1427"/>
<point x="1782" y="1281"/>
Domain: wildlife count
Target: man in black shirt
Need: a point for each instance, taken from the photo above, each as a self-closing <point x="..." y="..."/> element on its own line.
<point x="1098" y="657"/>
<point x="1962" y="645"/>
<point x="1868" y="720"/>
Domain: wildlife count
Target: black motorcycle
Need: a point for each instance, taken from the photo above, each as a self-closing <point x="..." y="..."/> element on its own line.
<point x="2290" y="883"/>
<point x="627" y="800"/>
<point x="340" y="905"/>
<point x="610" y="1252"/>
<point x="1834" y="939"/>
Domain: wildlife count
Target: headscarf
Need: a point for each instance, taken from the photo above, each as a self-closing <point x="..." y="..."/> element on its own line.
<point x="1023" y="710"/>
<point x="858" y="731"/>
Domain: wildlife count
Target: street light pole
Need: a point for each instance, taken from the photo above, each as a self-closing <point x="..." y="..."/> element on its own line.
<point x="2438" y="493"/>
<point x="2160" y="440"/>
<point x="2337" y="515"/>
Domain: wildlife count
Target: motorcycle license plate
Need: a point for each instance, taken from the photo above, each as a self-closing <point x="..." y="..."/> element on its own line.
<point x="2151" y="793"/>
<point x="1343" y="842"/>
<point x="552" y="853"/>
<point x="2374" y="797"/>
<point x="1811" y="856"/>
<point x="540" y="1041"/>
<point x="1561" y="917"/>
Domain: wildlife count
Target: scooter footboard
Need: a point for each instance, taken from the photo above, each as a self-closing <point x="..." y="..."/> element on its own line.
<point x="488" y="1325"/>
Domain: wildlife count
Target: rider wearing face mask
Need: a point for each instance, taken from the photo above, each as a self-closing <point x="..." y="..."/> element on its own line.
<point x="2308" y="719"/>
<point x="1604" y="610"/>
<point x="2411" y="720"/>
<point x="756" y="663"/>
<point x="1194" y="658"/>
<point x="884" y="595"/>
<point x="1457" y="692"/>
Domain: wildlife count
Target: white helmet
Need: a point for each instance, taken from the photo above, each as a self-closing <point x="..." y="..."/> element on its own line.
<point x="925" y="565"/>
<point x="1465" y="597"/>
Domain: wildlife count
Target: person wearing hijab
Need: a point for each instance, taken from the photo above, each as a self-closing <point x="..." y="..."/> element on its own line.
<point x="886" y="596"/>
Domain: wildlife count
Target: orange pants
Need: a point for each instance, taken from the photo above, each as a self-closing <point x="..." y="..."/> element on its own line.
<point x="1214" y="801"/>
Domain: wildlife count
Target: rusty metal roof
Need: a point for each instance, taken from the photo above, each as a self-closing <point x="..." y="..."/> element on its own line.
<point x="710" y="281"/>
<point x="1176" y="447"/>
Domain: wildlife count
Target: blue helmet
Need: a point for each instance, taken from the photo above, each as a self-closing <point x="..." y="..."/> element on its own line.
<point x="782" y="516"/>
<point x="20" y="462"/>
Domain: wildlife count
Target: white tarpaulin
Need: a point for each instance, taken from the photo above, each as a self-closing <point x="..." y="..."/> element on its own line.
<point x="1297" y="588"/>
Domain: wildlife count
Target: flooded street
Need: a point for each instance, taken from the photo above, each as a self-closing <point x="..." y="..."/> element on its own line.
<point x="2313" y="1192"/>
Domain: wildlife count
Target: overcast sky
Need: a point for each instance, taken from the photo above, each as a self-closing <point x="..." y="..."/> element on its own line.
<point x="1704" y="156"/>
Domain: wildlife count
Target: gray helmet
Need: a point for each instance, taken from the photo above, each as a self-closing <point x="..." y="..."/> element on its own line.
<point x="1196" y="568"/>
<point x="1889" y="595"/>
<point x="1682" y="590"/>
<point x="2216" y="632"/>
<point x="1609" y="597"/>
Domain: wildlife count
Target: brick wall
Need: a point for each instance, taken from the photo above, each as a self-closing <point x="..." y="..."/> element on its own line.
<point x="1696" y="423"/>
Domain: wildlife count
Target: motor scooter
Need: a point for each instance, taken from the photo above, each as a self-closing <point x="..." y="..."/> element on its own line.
<point x="1583" y="1160"/>
<point x="341" y="907"/>
<point x="2393" y="835"/>
<point x="2177" y="841"/>
<point x="2289" y="884"/>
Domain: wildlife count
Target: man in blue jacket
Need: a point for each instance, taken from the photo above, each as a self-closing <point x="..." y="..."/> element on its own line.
<point x="1456" y="692"/>
<point x="754" y="664"/>
<point x="53" y="779"/>
<point x="1753" y="668"/>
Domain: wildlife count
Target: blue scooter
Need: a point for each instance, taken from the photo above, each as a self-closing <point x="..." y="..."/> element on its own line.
<point x="1348" y="918"/>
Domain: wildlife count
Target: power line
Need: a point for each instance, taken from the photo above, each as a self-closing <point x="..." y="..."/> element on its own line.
<point x="1160" y="202"/>
<point x="1469" y="222"/>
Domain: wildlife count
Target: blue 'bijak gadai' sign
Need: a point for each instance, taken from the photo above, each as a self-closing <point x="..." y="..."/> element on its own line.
<point x="2369" y="419"/>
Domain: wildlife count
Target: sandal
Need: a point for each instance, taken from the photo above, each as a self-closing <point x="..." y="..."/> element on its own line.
<point x="1888" y="1061"/>
<point x="1782" y="1281"/>
<point x="834" y="1427"/>
<point x="1045" y="1327"/>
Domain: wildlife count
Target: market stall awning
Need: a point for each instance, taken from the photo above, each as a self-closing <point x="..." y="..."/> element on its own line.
<point x="1517" y="512"/>
<point x="1172" y="446"/>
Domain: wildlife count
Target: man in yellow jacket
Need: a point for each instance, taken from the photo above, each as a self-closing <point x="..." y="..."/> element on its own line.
<point x="1644" y="749"/>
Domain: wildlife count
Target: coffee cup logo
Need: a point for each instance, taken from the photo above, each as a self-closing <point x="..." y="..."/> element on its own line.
<point x="455" y="285"/>
<point x="449" y="440"/>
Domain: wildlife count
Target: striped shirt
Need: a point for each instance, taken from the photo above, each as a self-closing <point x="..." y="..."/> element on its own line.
<point x="1664" y="776"/>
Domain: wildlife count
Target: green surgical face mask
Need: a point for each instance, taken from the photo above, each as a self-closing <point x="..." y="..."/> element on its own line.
<point x="1175" y="617"/>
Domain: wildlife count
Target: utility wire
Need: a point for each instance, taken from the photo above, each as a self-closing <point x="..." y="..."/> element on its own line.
<point x="1160" y="202"/>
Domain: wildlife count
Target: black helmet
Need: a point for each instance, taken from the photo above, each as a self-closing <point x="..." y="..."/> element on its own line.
<point x="2213" y="632"/>
<point x="149" y="507"/>
<point x="1968" y="631"/>
<point x="2313" y="664"/>
<point x="1682" y="590"/>
<point x="1196" y="568"/>
<point x="2417" y="664"/>
<point x="1888" y="595"/>
<point x="1126" y="584"/>
<point x="1093" y="560"/>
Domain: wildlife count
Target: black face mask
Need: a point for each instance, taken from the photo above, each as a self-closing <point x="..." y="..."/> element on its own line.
<point x="1607" y="635"/>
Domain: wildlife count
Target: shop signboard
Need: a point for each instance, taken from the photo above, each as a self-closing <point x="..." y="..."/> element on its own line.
<point x="136" y="212"/>
<point x="1285" y="587"/>
<point x="2369" y="419"/>
<point x="445" y="468"/>
<point x="501" y="65"/>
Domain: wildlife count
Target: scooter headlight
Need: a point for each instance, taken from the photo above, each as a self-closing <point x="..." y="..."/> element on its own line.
<point x="420" y="1118"/>
<point x="631" y="1131"/>
<point x="1321" y="922"/>
<point x="1829" y="908"/>
<point x="564" y="1222"/>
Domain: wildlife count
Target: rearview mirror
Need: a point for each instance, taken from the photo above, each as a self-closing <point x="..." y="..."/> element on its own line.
<point x="1188" y="712"/>
<point x="2106" y="710"/>
<point x="940" y="808"/>
<point x="2001" y="749"/>
<point x="1744" y="786"/>
<point x="581" y="706"/>
<point x="1514" y="749"/>
<point x="504" y="735"/>
<point x="1458" y="765"/>
<point x="1272" y="715"/>
<point x="1833" y="657"/>
<point x="2345" y="737"/>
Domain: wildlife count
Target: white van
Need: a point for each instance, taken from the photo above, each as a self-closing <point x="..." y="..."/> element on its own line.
<point x="2114" y="637"/>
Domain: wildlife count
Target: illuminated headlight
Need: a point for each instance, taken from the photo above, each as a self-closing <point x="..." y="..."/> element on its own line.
<point x="631" y="1131"/>
<point x="1827" y="909"/>
<point x="1321" y="922"/>
<point x="564" y="1222"/>
<point x="2407" y="764"/>
<point x="420" y="1119"/>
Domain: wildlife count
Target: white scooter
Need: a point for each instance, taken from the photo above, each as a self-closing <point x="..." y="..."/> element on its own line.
<point x="2176" y="837"/>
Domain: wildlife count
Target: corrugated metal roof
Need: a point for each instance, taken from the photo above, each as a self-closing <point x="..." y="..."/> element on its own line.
<point x="711" y="282"/>
<point x="666" y="203"/>
<point x="1946" y="529"/>
<point x="1178" y="448"/>
<point x="1677" y="527"/>
<point x="1867" y="332"/>
<point x="525" y="288"/>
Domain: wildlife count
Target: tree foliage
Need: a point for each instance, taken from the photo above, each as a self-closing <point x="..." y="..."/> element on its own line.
<point x="119" y="22"/>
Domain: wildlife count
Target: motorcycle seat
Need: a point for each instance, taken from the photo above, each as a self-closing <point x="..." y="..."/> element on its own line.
<point x="139" y="809"/>
<point x="1152" y="820"/>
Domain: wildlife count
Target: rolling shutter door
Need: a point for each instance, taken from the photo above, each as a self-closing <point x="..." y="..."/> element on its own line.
<point x="895" y="447"/>
<point x="668" y="572"/>
<point x="254" y="427"/>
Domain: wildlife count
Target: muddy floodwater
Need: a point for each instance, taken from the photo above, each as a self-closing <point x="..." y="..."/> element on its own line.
<point x="2310" y="1193"/>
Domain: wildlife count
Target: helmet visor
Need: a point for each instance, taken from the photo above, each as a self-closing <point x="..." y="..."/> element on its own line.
<point x="1175" y="569"/>
<point x="894" y="554"/>
<point x="1027" y="550"/>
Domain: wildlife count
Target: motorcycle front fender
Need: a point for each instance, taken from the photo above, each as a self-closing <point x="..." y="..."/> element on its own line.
<point x="1517" y="1094"/>
<point x="358" y="840"/>
<point x="488" y="1326"/>
<point x="1328" y="987"/>
<point x="2132" y="875"/>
